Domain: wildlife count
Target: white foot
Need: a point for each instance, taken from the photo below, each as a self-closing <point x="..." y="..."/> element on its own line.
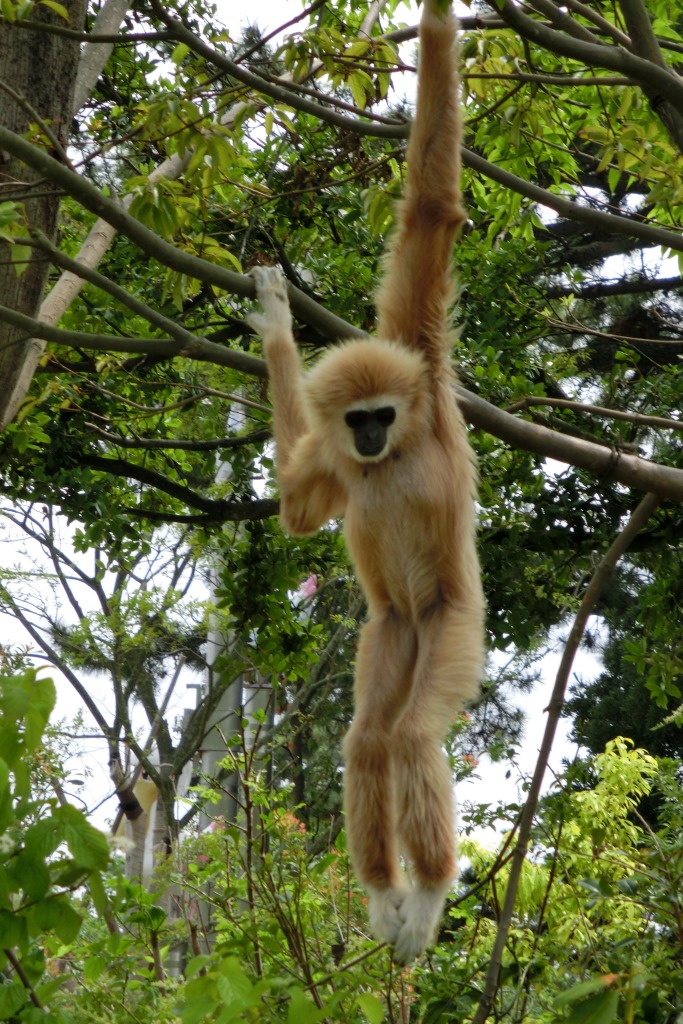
<point x="383" y="911"/>
<point x="271" y="290"/>
<point x="420" y="914"/>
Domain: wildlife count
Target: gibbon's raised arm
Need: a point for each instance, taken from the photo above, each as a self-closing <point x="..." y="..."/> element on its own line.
<point x="309" y="494"/>
<point x="416" y="291"/>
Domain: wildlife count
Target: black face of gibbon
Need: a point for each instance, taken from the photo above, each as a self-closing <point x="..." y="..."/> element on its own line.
<point x="369" y="428"/>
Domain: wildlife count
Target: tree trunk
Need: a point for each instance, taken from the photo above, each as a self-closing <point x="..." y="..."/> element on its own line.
<point x="40" y="68"/>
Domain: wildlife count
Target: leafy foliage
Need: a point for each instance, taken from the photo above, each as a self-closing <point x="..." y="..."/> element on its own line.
<point x="139" y="467"/>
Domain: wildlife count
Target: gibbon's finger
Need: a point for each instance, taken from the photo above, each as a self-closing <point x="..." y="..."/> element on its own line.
<point x="271" y="291"/>
<point x="258" y="322"/>
<point x="384" y="907"/>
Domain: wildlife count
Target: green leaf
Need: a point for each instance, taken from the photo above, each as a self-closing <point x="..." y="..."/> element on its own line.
<point x="12" y="998"/>
<point x="30" y="873"/>
<point x="58" y="916"/>
<point x="371" y="1007"/>
<point x="180" y="52"/>
<point x="88" y="846"/>
<point x="302" y="1009"/>
<point x="94" y="966"/>
<point x="583" y="989"/>
<point x="13" y="930"/>
<point x="8" y="11"/>
<point x="59" y="9"/>
<point x="357" y="82"/>
<point x="98" y="893"/>
<point x="600" y="1009"/>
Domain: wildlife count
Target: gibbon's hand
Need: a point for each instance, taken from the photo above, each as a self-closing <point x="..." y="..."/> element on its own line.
<point x="271" y="290"/>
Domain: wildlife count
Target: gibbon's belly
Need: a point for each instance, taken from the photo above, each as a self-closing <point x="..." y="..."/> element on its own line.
<point x="396" y="541"/>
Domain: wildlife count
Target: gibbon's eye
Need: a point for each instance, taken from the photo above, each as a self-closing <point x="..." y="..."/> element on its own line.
<point x="369" y="428"/>
<point x="386" y="415"/>
<point x="356" y="418"/>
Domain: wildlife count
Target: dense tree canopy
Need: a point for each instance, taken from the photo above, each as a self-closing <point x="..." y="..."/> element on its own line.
<point x="151" y="154"/>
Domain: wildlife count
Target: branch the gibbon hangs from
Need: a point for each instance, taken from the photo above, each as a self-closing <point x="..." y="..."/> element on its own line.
<point x="373" y="433"/>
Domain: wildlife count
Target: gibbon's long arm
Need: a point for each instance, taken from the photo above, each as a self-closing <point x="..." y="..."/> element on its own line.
<point x="413" y="300"/>
<point x="309" y="494"/>
<point x="284" y="363"/>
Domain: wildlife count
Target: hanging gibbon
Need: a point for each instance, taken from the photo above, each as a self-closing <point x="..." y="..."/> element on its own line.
<point x="373" y="433"/>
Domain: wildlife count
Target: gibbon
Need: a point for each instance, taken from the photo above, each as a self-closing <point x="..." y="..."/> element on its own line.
<point x="373" y="433"/>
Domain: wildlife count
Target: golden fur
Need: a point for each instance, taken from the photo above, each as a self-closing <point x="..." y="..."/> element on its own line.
<point x="408" y="519"/>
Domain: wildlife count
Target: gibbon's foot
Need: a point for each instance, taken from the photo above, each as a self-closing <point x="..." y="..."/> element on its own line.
<point x="420" y="914"/>
<point x="271" y="290"/>
<point x="383" y="912"/>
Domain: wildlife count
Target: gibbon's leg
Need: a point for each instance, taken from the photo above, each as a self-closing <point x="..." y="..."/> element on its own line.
<point x="449" y="665"/>
<point x="384" y="671"/>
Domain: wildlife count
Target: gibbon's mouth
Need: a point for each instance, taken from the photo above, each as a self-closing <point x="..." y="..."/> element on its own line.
<point x="371" y="449"/>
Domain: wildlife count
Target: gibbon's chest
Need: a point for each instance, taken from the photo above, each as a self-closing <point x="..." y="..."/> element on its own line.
<point x="395" y="521"/>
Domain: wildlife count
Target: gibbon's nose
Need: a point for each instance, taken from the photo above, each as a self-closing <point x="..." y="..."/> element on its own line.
<point x="372" y="442"/>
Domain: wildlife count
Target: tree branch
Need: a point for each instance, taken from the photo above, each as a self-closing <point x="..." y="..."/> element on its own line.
<point x="635" y="286"/>
<point x="612" y="465"/>
<point x="225" y="510"/>
<point x="628" y="225"/>
<point x="197" y="348"/>
<point x="58" y="663"/>
<point x="644" y="43"/>
<point x="627" y="469"/>
<point x="202" y="270"/>
<point x="613" y="58"/>
<point x="640" y="419"/>
<point x="601" y="577"/>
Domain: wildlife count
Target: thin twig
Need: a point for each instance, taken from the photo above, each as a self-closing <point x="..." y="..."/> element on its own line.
<point x="602" y="575"/>
<point x="21" y="974"/>
<point x="639" y="418"/>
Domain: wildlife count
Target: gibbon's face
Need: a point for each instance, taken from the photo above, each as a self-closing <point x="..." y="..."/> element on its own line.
<point x="370" y="427"/>
<point x="367" y="400"/>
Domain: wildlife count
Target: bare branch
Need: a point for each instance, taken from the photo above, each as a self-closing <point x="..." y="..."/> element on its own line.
<point x="640" y="419"/>
<point x="613" y="58"/>
<point x="602" y="575"/>
<point x="627" y="469"/>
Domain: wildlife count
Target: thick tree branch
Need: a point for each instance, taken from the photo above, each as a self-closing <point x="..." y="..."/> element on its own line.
<point x="612" y="465"/>
<point x="634" y="286"/>
<point x="613" y="58"/>
<point x="644" y="43"/>
<point x="111" y="211"/>
<point x="196" y="348"/>
<point x="602" y="576"/>
<point x="95" y="53"/>
<point x="629" y="225"/>
<point x="152" y="316"/>
<point x="224" y="510"/>
<point x="627" y="469"/>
